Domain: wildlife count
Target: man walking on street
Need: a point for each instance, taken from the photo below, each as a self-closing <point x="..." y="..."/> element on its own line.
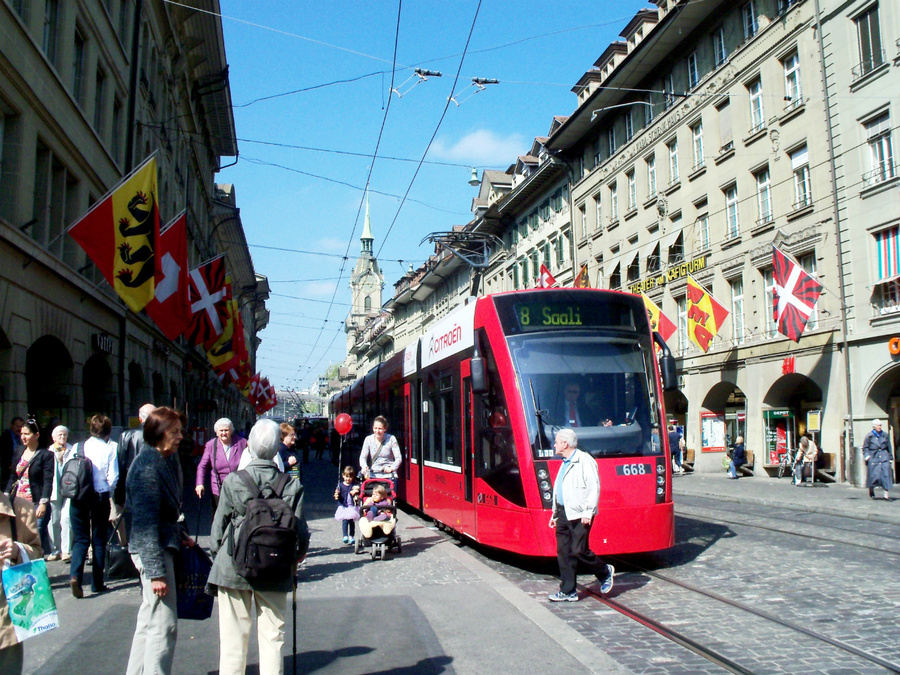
<point x="575" y="497"/>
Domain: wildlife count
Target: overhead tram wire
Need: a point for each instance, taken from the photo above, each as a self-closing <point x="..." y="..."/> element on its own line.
<point x="362" y="200"/>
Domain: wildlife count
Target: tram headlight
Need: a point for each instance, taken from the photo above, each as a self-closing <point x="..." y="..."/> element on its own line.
<point x="659" y="491"/>
<point x="543" y="474"/>
<point x="545" y="485"/>
<point x="660" y="480"/>
<point x="660" y="469"/>
<point x="548" y="497"/>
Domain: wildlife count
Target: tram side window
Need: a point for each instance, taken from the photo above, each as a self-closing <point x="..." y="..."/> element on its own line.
<point x="496" y="462"/>
<point x="441" y="421"/>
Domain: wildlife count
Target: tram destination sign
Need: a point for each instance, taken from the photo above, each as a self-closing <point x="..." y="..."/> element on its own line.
<point x="526" y="314"/>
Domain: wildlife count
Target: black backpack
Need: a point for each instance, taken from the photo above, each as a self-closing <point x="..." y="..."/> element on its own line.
<point x="77" y="479"/>
<point x="265" y="547"/>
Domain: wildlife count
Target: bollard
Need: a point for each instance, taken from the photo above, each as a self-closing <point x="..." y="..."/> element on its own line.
<point x="857" y="474"/>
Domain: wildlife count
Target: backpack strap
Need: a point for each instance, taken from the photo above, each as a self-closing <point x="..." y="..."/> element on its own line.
<point x="245" y="476"/>
<point x="280" y="483"/>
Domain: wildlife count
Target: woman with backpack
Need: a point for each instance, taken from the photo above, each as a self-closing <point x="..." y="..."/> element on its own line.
<point x="236" y="585"/>
<point x="153" y="498"/>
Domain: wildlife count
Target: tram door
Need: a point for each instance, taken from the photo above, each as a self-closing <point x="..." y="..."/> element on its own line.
<point x="413" y="460"/>
<point x="467" y="446"/>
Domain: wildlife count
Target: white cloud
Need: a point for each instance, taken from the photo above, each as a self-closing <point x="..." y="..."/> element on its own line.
<point x="482" y="147"/>
<point x="332" y="245"/>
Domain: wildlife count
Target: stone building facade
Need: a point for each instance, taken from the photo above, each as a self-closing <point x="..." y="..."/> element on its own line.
<point x="88" y="90"/>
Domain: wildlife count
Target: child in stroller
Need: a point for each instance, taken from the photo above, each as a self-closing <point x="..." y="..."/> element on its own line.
<point x="377" y="518"/>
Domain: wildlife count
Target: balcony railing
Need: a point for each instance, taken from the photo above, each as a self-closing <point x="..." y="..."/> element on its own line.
<point x="868" y="65"/>
<point x="883" y="172"/>
<point x="792" y="103"/>
<point x="765" y="219"/>
<point x="802" y="203"/>
<point x="756" y="126"/>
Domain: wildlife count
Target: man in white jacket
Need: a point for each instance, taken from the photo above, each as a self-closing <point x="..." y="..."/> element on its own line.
<point x="575" y="497"/>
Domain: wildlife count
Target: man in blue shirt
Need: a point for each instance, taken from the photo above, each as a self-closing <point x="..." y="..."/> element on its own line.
<point x="575" y="497"/>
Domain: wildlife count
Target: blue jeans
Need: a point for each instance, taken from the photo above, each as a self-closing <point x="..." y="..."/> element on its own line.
<point x="43" y="525"/>
<point x="89" y="521"/>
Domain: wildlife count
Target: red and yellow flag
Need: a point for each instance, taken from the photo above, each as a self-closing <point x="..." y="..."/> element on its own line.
<point x="582" y="281"/>
<point x="659" y="321"/>
<point x="705" y="314"/>
<point x="120" y="232"/>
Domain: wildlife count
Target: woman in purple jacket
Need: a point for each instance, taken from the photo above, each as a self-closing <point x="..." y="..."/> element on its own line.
<point x="221" y="456"/>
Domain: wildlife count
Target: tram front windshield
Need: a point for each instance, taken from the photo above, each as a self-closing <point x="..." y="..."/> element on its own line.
<point x="596" y="384"/>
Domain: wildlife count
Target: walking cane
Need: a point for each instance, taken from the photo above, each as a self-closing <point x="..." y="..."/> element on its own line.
<point x="294" y="622"/>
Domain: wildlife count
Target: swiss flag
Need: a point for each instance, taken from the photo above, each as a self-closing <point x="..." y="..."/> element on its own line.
<point x="546" y="279"/>
<point x="170" y="307"/>
<point x="209" y="302"/>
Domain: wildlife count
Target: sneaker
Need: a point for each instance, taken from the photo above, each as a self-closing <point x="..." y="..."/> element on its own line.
<point x="607" y="584"/>
<point x="559" y="596"/>
<point x="351" y="540"/>
<point x="346" y="540"/>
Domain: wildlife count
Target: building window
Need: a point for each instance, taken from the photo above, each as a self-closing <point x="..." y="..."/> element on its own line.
<point x="748" y="15"/>
<point x="808" y="263"/>
<point x="684" y="341"/>
<point x="757" y="114"/>
<point x="887" y="248"/>
<point x="692" y="71"/>
<point x="582" y="219"/>
<point x="613" y="203"/>
<point x="763" y="196"/>
<point x="800" y="167"/>
<point x="732" y="224"/>
<point x="651" y="176"/>
<point x="793" y="92"/>
<point x="648" y="112"/>
<point x="629" y="126"/>
<point x="653" y="261"/>
<point x="51" y="30"/>
<point x="737" y="310"/>
<point x="598" y="212"/>
<point x="871" y="54"/>
<point x="597" y="153"/>
<point x="515" y="276"/>
<point x="770" y="328"/>
<point x="55" y="205"/>
<point x="673" y="162"/>
<point x="634" y="269"/>
<point x="615" y="279"/>
<point x="703" y="231"/>
<point x="117" y="131"/>
<point x="881" y="151"/>
<point x="99" y="87"/>
<point x="78" y="54"/>
<point x="632" y="190"/>
<point x="676" y="250"/>
<point x="697" y="136"/>
<point x="720" y="53"/>
<point x="560" y="253"/>
<point x="669" y="91"/>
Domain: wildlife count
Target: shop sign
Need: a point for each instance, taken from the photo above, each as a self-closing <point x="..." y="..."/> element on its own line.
<point x="814" y="420"/>
<point x="779" y="432"/>
<point x="787" y="366"/>
<point x="674" y="272"/>
<point x="102" y="342"/>
<point x="894" y="346"/>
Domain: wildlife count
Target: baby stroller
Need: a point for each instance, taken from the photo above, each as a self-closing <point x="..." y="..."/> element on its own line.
<point x="378" y="543"/>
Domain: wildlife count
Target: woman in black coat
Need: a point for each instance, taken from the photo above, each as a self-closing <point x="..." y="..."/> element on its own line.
<point x="738" y="457"/>
<point x="32" y="476"/>
<point x="876" y="450"/>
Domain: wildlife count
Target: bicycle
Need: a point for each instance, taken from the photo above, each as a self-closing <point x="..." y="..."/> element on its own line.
<point x="785" y="464"/>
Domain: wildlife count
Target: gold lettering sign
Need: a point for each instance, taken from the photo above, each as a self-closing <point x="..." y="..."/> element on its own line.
<point x="671" y="274"/>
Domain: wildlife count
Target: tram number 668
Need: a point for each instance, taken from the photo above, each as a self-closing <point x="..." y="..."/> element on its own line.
<point x="633" y="469"/>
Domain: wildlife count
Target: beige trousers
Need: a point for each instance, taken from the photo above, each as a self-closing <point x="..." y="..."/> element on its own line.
<point x="234" y="630"/>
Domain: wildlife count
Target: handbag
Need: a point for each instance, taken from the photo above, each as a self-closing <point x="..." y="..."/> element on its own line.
<point x="32" y="609"/>
<point x="119" y="564"/>
<point x="192" y="569"/>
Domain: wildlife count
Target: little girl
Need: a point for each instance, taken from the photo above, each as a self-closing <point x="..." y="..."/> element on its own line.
<point x="375" y="517"/>
<point x="345" y="493"/>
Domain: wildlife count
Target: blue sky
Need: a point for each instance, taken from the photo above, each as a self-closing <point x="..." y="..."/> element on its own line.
<point x="317" y="76"/>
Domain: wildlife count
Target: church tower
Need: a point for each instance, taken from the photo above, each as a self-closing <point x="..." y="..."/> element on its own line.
<point x="366" y="285"/>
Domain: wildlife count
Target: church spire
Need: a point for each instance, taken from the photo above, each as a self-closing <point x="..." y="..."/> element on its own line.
<point x="367" y="237"/>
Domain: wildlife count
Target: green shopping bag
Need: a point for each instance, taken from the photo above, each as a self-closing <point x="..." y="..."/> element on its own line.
<point x="32" y="608"/>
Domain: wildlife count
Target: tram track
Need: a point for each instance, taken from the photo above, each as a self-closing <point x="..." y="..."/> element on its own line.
<point x="709" y="653"/>
<point x="887" y="545"/>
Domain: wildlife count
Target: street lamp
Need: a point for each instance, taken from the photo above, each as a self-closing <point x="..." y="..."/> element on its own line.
<point x="618" y="105"/>
<point x="473" y="181"/>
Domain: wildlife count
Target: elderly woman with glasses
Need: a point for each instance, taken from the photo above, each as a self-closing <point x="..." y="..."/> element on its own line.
<point x="221" y="456"/>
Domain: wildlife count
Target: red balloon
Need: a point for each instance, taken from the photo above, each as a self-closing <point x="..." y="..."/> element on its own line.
<point x="343" y="423"/>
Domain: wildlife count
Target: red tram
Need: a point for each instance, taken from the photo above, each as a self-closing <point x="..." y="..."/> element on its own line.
<point x="477" y="400"/>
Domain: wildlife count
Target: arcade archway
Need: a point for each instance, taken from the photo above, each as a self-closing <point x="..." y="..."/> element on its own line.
<point x="49" y="379"/>
<point x="99" y="390"/>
